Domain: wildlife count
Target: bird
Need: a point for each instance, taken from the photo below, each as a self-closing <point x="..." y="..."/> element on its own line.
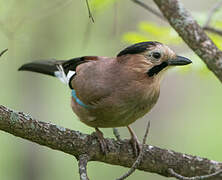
<point x="111" y="92"/>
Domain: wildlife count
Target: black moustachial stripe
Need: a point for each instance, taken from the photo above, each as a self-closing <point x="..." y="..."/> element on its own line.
<point x="156" y="69"/>
<point x="138" y="48"/>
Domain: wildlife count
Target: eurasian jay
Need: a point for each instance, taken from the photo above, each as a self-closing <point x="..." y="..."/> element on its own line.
<point x="110" y="92"/>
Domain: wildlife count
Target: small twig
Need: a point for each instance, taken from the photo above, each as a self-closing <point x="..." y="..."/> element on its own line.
<point x="89" y="11"/>
<point x="213" y="30"/>
<point x="139" y="158"/>
<point x="116" y="134"/>
<point x="212" y="11"/>
<point x="180" y="177"/>
<point x="83" y="160"/>
<point x="3" y="52"/>
<point x="152" y="10"/>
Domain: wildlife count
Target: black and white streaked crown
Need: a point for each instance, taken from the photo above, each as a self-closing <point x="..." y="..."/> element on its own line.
<point x="138" y="48"/>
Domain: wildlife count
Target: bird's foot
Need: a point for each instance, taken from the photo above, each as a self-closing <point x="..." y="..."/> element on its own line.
<point x="103" y="144"/>
<point x="136" y="145"/>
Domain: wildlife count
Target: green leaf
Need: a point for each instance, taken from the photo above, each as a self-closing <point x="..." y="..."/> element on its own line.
<point x="100" y="5"/>
<point x="151" y="31"/>
<point x="216" y="39"/>
<point x="133" y="37"/>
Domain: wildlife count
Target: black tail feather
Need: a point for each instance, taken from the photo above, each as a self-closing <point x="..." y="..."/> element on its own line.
<point x="49" y="67"/>
<point x="44" y="67"/>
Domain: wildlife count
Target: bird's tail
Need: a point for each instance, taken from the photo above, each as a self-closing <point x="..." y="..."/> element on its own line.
<point x="43" y="67"/>
<point x="64" y="70"/>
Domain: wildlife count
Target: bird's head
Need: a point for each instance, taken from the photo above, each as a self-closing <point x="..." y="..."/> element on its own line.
<point x="154" y="57"/>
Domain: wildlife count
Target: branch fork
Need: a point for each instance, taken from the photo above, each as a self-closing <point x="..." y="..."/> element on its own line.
<point x="86" y="148"/>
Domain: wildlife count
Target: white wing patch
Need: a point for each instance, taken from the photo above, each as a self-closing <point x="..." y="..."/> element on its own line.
<point x="60" y="74"/>
<point x="70" y="74"/>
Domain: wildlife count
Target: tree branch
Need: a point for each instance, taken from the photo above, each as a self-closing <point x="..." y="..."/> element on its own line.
<point x="194" y="36"/>
<point x="213" y="30"/>
<point x="180" y="177"/>
<point x="155" y="160"/>
<point x="206" y="27"/>
<point x="139" y="158"/>
<point x="149" y="8"/>
<point x="83" y="160"/>
<point x="212" y="11"/>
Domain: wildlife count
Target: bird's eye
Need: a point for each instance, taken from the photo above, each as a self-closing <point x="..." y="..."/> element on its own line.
<point x="156" y="55"/>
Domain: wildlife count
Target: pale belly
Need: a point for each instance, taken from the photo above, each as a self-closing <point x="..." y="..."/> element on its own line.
<point x="111" y="116"/>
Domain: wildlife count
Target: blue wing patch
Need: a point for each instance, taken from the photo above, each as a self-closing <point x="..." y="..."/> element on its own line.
<point x="78" y="100"/>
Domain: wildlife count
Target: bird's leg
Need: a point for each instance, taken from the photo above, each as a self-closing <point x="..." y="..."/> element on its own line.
<point x="135" y="142"/>
<point x="103" y="144"/>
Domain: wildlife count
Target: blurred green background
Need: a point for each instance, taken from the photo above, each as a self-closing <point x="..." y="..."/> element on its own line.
<point x="187" y="117"/>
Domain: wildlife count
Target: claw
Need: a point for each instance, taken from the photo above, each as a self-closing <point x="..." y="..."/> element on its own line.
<point x="103" y="145"/>
<point x="135" y="142"/>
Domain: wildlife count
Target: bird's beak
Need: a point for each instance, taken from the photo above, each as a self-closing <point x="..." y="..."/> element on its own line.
<point x="179" y="61"/>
